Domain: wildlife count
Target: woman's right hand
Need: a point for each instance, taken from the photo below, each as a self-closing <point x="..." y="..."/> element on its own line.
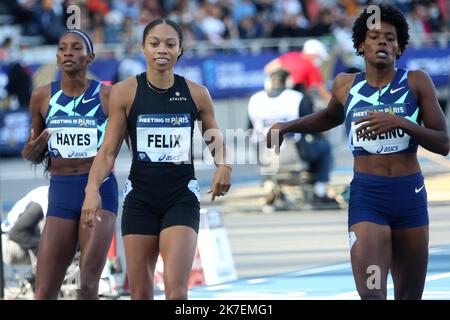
<point x="35" y="147"/>
<point x="91" y="205"/>
<point x="274" y="136"/>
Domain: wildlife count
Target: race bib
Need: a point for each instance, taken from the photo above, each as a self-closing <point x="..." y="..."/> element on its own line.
<point x="389" y="142"/>
<point x="163" y="137"/>
<point x="72" y="137"/>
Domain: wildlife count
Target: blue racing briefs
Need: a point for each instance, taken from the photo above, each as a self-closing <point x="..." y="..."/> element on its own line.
<point x="66" y="195"/>
<point x="400" y="202"/>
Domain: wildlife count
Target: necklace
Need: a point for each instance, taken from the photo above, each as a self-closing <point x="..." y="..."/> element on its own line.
<point x="156" y="89"/>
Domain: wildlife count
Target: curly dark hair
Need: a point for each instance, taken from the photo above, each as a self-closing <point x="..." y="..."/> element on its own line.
<point x="389" y="14"/>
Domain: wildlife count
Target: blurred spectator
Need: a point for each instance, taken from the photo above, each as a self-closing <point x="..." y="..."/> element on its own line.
<point x="211" y="22"/>
<point x="304" y="67"/>
<point x="353" y="7"/>
<point x="114" y="27"/>
<point x="311" y="8"/>
<point x="250" y="28"/>
<point x="24" y="12"/>
<point x="436" y="19"/>
<point x="266" y="15"/>
<point x="128" y="8"/>
<point x="51" y="20"/>
<point x="132" y="64"/>
<point x="97" y="27"/>
<point x="116" y="21"/>
<point x="344" y="44"/>
<point x="288" y="27"/>
<point x="419" y="25"/>
<point x="129" y="32"/>
<point x="403" y="5"/>
<point x="22" y="228"/>
<point x="100" y="6"/>
<point x="323" y="25"/>
<point x="291" y="7"/>
<point x="278" y="104"/>
<point x="5" y="46"/>
<point x="18" y="86"/>
<point x="183" y="12"/>
<point x="153" y="7"/>
<point x="243" y="9"/>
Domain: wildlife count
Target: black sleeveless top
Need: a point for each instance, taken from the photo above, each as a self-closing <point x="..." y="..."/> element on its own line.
<point x="161" y="127"/>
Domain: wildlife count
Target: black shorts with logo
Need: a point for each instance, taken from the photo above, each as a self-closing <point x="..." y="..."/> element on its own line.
<point x="150" y="211"/>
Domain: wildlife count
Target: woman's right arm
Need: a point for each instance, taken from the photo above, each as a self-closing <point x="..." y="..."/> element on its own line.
<point x="105" y="158"/>
<point x="114" y="135"/>
<point x="319" y="121"/>
<point x="36" y="146"/>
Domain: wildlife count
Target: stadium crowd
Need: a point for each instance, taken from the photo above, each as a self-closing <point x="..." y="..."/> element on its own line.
<point x="112" y="21"/>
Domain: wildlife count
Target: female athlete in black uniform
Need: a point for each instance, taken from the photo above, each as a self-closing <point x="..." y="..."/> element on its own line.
<point x="158" y="109"/>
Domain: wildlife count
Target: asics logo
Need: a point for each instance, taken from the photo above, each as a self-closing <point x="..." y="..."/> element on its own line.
<point x="395" y="90"/>
<point x="417" y="190"/>
<point x="88" y="100"/>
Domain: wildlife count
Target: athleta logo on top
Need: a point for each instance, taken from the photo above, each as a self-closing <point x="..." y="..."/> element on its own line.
<point x="177" y="97"/>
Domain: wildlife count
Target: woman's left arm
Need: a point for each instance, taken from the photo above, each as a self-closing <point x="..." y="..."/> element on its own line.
<point x="213" y="137"/>
<point x="433" y="136"/>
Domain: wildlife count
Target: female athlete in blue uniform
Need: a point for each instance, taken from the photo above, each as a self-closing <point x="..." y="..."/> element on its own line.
<point x="388" y="112"/>
<point x="158" y="110"/>
<point x="69" y="118"/>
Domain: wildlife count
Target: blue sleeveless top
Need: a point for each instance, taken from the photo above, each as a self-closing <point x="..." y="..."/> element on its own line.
<point x="77" y="124"/>
<point x="395" y="98"/>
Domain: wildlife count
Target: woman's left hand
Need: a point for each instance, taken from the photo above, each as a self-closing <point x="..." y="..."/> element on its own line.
<point x="221" y="182"/>
<point x="376" y="123"/>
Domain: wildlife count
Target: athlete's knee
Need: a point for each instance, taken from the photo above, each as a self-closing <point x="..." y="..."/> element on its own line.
<point x="409" y="294"/>
<point x="141" y="293"/>
<point x="142" y="289"/>
<point x="177" y="293"/>
<point x="88" y="290"/>
<point x="175" y="289"/>
<point x="372" y="295"/>
<point x="45" y="292"/>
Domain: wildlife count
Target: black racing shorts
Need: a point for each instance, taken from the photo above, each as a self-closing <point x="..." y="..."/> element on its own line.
<point x="149" y="213"/>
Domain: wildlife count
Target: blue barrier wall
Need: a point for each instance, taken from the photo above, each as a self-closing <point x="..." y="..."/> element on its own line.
<point x="225" y="75"/>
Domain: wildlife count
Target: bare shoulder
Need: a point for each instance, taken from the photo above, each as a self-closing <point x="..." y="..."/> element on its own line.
<point x="422" y="87"/>
<point x="197" y="90"/>
<point x="416" y="78"/>
<point x="125" y="90"/>
<point x="200" y="94"/>
<point x="40" y="98"/>
<point x="123" y="94"/>
<point x="417" y="74"/>
<point x="41" y="93"/>
<point x="344" y="79"/>
<point x="342" y="85"/>
<point x="126" y="84"/>
<point x="105" y="90"/>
